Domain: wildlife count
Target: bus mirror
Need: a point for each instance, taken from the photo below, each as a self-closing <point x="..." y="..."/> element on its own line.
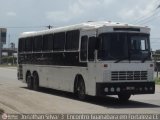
<point x="95" y="55"/>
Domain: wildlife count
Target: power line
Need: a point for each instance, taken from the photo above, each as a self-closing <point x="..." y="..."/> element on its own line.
<point x="151" y="18"/>
<point x="156" y="38"/>
<point x="156" y="2"/>
<point x="158" y="7"/>
<point x="22" y="27"/>
<point x="145" y="18"/>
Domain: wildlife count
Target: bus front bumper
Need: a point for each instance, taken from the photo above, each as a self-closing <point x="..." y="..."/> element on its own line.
<point x="103" y="89"/>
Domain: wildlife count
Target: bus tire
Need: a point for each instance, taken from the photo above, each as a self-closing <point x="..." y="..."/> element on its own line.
<point x="29" y="81"/>
<point x="124" y="97"/>
<point x="80" y="89"/>
<point x="35" y="81"/>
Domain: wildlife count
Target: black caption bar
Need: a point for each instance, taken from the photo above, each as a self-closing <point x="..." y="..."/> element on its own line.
<point x="6" y="116"/>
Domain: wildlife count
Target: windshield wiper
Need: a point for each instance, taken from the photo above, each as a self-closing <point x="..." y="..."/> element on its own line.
<point x="121" y="59"/>
<point x="125" y="58"/>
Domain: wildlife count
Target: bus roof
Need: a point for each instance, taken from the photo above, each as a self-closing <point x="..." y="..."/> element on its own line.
<point x="83" y="26"/>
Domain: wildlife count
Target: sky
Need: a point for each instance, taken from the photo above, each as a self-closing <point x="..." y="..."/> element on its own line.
<point x="31" y="15"/>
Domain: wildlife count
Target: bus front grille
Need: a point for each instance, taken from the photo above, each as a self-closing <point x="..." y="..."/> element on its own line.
<point x="128" y="75"/>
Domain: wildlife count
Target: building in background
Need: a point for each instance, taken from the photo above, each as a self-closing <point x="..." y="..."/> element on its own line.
<point x="3" y="34"/>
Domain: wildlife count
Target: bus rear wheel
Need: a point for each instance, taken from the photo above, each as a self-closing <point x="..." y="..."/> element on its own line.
<point x="35" y="81"/>
<point x="124" y="97"/>
<point x="80" y="89"/>
<point x="29" y="81"/>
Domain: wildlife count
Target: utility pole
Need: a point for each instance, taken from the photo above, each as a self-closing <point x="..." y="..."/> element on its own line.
<point x="8" y="40"/>
<point x="0" y="47"/>
<point x="3" y="32"/>
<point x="49" y="26"/>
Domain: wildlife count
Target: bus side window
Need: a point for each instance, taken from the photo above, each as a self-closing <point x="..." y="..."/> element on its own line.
<point x="91" y="48"/>
<point x="37" y="43"/>
<point x="84" y="45"/>
<point x="28" y="44"/>
<point x="21" y="45"/>
<point x="72" y="40"/>
<point x="48" y="42"/>
<point x="59" y="41"/>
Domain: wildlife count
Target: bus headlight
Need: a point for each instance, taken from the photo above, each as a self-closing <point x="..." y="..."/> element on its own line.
<point x="112" y="89"/>
<point x="146" y="88"/>
<point x="140" y="89"/>
<point x="118" y="89"/>
<point x="151" y="88"/>
<point x="106" y="89"/>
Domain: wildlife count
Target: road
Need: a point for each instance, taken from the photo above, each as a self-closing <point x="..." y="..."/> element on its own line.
<point x="16" y="98"/>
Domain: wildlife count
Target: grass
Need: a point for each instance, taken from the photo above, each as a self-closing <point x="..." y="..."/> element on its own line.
<point x="157" y="80"/>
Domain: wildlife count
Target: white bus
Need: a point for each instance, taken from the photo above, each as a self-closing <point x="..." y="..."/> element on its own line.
<point x="92" y="58"/>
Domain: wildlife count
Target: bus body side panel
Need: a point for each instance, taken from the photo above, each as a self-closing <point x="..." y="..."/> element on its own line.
<point x="62" y="77"/>
<point x="95" y="73"/>
<point x="58" y="77"/>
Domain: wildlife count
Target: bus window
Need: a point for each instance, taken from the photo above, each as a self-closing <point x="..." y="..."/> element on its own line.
<point x="91" y="48"/>
<point x="84" y="45"/>
<point x="72" y="40"/>
<point x="21" y="45"/>
<point x="37" y="44"/>
<point x="48" y="42"/>
<point x="59" y="41"/>
<point x="139" y="43"/>
<point x="28" y="42"/>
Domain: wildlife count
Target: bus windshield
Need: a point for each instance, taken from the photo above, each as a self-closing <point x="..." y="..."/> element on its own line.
<point x="119" y="46"/>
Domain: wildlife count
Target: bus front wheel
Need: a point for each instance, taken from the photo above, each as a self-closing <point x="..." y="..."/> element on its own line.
<point x="124" y="97"/>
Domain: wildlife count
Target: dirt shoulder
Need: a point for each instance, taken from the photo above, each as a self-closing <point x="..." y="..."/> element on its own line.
<point x="1" y="111"/>
<point x="158" y="88"/>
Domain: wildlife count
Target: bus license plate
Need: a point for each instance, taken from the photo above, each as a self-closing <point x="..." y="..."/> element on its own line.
<point x="130" y="88"/>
